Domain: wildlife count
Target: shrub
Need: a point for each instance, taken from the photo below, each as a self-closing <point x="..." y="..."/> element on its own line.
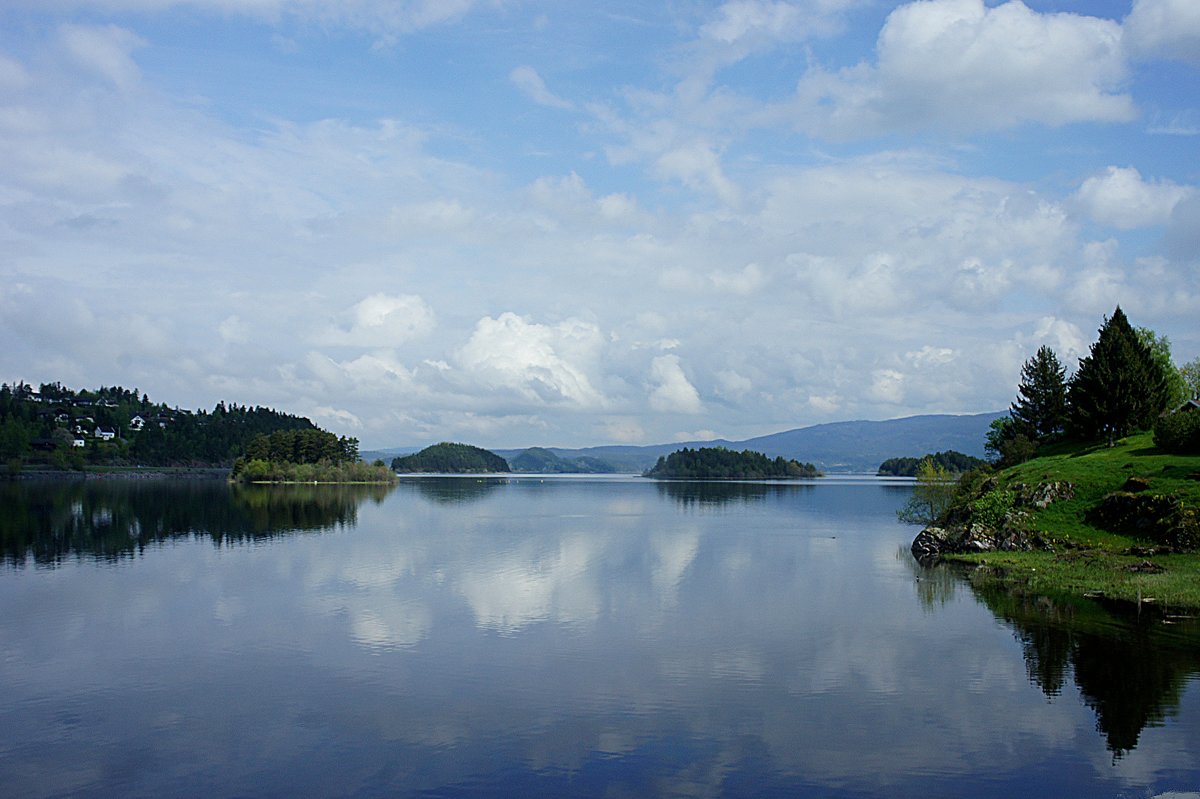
<point x="1178" y="433"/>
<point x="993" y="506"/>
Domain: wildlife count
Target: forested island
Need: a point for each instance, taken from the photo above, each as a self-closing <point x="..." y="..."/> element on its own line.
<point x="719" y="463"/>
<point x="451" y="458"/>
<point x="306" y="456"/>
<point x="950" y="460"/>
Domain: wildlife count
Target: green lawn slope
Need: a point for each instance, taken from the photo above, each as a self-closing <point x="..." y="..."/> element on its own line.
<point x="1085" y="558"/>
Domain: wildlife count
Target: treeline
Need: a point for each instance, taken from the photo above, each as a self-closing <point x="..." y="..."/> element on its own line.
<point x="58" y="427"/>
<point x="306" y="456"/>
<point x="1126" y="383"/>
<point x="303" y="446"/>
<point x="950" y="460"/>
<point x="719" y="463"/>
<point x="450" y="458"/>
<point x="214" y="438"/>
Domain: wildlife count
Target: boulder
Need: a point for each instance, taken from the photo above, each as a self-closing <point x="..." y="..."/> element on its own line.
<point x="1042" y="495"/>
<point x="930" y="543"/>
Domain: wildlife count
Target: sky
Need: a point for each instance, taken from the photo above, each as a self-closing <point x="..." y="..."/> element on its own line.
<point x="517" y="222"/>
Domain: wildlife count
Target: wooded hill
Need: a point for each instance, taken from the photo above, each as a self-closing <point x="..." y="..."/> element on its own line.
<point x="53" y="426"/>
<point x="449" y="458"/>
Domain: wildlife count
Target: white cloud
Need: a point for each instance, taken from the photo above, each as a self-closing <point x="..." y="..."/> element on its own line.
<point x="887" y="386"/>
<point x="695" y="164"/>
<point x="104" y="50"/>
<point x="960" y="65"/>
<point x="527" y="79"/>
<point x="1122" y="199"/>
<point x="672" y="392"/>
<point x="747" y="280"/>
<point x="931" y="356"/>
<point x="543" y="364"/>
<point x="1164" y="29"/>
<point x="381" y="320"/>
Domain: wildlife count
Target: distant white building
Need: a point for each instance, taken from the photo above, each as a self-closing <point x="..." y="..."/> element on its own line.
<point x="105" y="434"/>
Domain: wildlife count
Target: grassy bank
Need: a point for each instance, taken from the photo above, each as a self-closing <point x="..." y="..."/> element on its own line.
<point x="1088" y="560"/>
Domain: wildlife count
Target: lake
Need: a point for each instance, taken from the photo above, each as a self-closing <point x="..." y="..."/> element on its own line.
<point x="556" y="636"/>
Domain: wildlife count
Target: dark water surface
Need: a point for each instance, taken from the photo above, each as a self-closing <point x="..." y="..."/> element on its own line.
<point x="556" y="637"/>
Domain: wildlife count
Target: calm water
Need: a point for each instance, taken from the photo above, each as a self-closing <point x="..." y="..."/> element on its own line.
<point x="571" y="637"/>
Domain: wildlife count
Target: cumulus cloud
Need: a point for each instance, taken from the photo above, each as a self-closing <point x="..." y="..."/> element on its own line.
<point x="1120" y="198"/>
<point x="1164" y="29"/>
<point x="527" y="79"/>
<point x="381" y="320"/>
<point x="543" y="364"/>
<point x="960" y="65"/>
<point x="672" y="391"/>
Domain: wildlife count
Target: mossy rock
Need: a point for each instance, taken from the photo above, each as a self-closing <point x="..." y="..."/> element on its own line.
<point x="1160" y="518"/>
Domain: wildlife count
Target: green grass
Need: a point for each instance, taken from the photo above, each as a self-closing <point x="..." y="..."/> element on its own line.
<point x="1093" y="573"/>
<point x="1088" y="560"/>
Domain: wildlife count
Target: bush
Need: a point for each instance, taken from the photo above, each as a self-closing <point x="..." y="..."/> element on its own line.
<point x="1178" y="433"/>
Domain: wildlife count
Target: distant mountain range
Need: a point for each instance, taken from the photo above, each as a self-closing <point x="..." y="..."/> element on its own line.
<point x="857" y="446"/>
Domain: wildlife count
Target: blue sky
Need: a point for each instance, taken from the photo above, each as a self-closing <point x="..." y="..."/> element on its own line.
<point x="517" y="223"/>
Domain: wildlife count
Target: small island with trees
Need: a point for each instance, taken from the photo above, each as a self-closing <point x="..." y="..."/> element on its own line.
<point x="306" y="456"/>
<point x="719" y="463"/>
<point x="450" y="458"/>
<point x="950" y="460"/>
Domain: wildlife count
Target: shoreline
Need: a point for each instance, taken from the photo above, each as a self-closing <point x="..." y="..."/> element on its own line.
<point x="122" y="473"/>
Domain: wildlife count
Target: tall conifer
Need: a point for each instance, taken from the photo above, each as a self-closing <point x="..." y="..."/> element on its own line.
<point x="1041" y="407"/>
<point x="1119" y="387"/>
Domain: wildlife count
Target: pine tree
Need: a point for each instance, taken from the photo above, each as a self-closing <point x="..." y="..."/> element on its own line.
<point x="1041" y="407"/>
<point x="1119" y="386"/>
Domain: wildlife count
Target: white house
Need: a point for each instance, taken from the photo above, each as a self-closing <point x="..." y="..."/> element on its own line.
<point x="137" y="422"/>
<point x="105" y="434"/>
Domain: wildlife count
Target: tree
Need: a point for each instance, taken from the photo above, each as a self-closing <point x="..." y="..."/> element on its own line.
<point x="931" y="495"/>
<point x="1007" y="444"/>
<point x="1177" y="390"/>
<point x="1041" y="407"/>
<point x="1190" y="372"/>
<point x="1119" y="386"/>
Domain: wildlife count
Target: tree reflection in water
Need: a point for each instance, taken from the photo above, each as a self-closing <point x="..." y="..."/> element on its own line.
<point x="1130" y="667"/>
<point x="454" y="490"/>
<point x="699" y="493"/>
<point x="49" y="522"/>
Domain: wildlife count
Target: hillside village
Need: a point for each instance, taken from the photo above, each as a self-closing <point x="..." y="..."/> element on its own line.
<point x="53" y="426"/>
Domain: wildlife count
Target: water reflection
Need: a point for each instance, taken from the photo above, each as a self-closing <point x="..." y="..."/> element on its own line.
<point x="557" y="637"/>
<point x="690" y="493"/>
<point x="49" y="521"/>
<point x="1130" y="668"/>
<point x="455" y="490"/>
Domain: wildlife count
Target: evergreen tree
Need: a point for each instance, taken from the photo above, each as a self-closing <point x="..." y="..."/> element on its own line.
<point x="1041" y="407"/>
<point x="1119" y="386"/>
